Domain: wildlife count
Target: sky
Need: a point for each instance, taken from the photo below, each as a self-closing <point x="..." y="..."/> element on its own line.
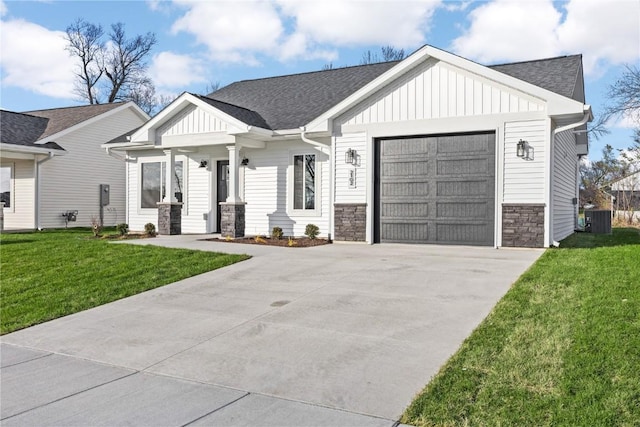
<point x="201" y="43"/>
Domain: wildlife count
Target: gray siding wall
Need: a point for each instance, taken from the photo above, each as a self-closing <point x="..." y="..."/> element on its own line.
<point x="564" y="185"/>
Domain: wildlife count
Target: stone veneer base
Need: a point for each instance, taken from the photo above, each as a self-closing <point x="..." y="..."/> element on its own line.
<point x="169" y="218"/>
<point x="523" y="225"/>
<point x="232" y="219"/>
<point x="350" y="222"/>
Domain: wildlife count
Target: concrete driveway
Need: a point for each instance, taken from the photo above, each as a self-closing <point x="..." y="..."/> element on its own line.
<point x="342" y="334"/>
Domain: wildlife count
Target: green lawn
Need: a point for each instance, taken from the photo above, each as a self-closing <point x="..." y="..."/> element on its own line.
<point x="49" y="274"/>
<point x="562" y="348"/>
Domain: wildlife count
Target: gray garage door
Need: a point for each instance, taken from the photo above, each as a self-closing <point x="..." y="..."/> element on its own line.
<point x="436" y="189"/>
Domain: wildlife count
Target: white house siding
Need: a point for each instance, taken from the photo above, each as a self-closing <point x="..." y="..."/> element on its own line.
<point x="197" y="202"/>
<point x="343" y="192"/>
<point x="21" y="214"/>
<point x="191" y="120"/>
<point x="564" y="185"/>
<point x="524" y="178"/>
<point x="267" y="190"/>
<point x="439" y="90"/>
<point x="71" y="182"/>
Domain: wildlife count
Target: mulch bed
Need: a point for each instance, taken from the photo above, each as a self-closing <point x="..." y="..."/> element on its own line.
<point x="297" y="242"/>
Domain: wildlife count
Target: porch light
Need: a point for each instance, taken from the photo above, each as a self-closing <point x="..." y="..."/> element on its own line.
<point x="521" y="148"/>
<point x="203" y="164"/>
<point x="351" y="157"/>
<point x="244" y="161"/>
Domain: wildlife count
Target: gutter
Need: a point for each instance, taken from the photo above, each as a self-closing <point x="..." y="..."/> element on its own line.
<point x="37" y="187"/>
<point x="587" y="116"/>
<point x="321" y="147"/>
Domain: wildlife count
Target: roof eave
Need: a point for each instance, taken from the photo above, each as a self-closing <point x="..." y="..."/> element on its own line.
<point x="17" y="148"/>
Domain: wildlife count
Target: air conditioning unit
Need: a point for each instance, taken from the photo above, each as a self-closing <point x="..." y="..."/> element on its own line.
<point x="597" y="221"/>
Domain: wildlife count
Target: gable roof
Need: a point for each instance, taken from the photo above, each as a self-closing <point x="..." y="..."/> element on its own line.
<point x="559" y="75"/>
<point x="291" y="101"/>
<point x="24" y="130"/>
<point x="61" y="119"/>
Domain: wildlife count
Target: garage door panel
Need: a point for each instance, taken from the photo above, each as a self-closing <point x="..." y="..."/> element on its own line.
<point x="436" y="189"/>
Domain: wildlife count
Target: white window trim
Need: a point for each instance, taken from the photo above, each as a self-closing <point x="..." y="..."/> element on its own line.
<point x="290" y="185"/>
<point x="12" y="186"/>
<point x="185" y="189"/>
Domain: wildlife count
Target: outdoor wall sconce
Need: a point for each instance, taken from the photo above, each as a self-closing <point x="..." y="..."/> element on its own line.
<point x="244" y="161"/>
<point x="521" y="148"/>
<point x="351" y="157"/>
<point x="203" y="164"/>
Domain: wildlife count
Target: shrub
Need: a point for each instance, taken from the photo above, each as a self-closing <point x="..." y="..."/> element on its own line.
<point x="122" y="228"/>
<point x="276" y="233"/>
<point x="150" y="229"/>
<point x="311" y="231"/>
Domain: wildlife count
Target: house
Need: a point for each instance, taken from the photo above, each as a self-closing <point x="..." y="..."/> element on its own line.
<point x="431" y="149"/>
<point x="626" y="196"/>
<point x="51" y="163"/>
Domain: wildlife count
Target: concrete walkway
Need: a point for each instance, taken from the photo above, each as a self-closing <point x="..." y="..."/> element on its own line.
<point x="343" y="334"/>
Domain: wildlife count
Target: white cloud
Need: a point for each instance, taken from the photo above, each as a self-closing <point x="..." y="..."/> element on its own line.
<point x="243" y="31"/>
<point x="34" y="58"/>
<point x="232" y="31"/>
<point x="171" y="70"/>
<point x="606" y="33"/>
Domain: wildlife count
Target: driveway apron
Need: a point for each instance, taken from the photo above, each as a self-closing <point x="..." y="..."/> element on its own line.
<point x="343" y="334"/>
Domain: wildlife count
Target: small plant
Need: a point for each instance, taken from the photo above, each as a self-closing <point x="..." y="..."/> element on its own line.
<point x="260" y="239"/>
<point x="150" y="229"/>
<point x="228" y="238"/>
<point x="311" y="231"/>
<point x="96" y="228"/>
<point x="276" y="233"/>
<point x="122" y="228"/>
<point x="292" y="242"/>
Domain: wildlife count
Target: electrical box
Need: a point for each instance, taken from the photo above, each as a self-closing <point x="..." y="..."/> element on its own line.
<point x="104" y="194"/>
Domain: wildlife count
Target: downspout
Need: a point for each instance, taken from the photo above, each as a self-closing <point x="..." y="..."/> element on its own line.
<point x="37" y="188"/>
<point x="322" y="146"/>
<point x="585" y="118"/>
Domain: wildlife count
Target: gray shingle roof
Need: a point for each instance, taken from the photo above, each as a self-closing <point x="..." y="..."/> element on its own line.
<point x="23" y="129"/>
<point x="288" y="102"/>
<point x="64" y="118"/>
<point x="558" y="75"/>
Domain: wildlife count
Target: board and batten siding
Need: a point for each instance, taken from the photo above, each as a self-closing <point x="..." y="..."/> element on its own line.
<point x="564" y="185"/>
<point x="72" y="181"/>
<point x="22" y="214"/>
<point x="191" y="120"/>
<point x="524" y="178"/>
<point x="439" y="90"/>
<point x="197" y="202"/>
<point x="343" y="192"/>
<point x="267" y="190"/>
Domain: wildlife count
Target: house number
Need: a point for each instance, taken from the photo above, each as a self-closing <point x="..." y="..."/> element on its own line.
<point x="352" y="178"/>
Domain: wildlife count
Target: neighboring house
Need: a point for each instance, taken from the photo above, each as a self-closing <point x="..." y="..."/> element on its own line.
<point x="51" y="162"/>
<point x="626" y="194"/>
<point x="423" y="150"/>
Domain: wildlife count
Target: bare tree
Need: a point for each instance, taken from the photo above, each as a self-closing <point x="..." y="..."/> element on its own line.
<point x="212" y="87"/>
<point x="388" y="53"/>
<point x="84" y="40"/>
<point x="125" y="63"/>
<point x="328" y="66"/>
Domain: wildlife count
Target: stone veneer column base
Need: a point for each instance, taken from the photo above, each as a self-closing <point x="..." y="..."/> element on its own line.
<point x="350" y="222"/>
<point x="232" y="219"/>
<point x="523" y="225"/>
<point x="169" y="218"/>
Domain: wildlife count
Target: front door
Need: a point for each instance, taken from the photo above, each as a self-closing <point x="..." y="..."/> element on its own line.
<point x="223" y="177"/>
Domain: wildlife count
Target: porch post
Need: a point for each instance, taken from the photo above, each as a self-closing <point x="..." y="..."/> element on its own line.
<point x="169" y="210"/>
<point x="232" y="211"/>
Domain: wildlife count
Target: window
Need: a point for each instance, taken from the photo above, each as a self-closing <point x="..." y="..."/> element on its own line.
<point x="304" y="182"/>
<point x="153" y="186"/>
<point x="6" y="185"/>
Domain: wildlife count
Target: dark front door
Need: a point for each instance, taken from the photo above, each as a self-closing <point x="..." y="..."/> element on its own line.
<point x="436" y="189"/>
<point x="223" y="176"/>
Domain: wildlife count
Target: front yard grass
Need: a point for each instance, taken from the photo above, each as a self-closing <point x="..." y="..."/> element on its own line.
<point x="562" y="348"/>
<point x="46" y="275"/>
